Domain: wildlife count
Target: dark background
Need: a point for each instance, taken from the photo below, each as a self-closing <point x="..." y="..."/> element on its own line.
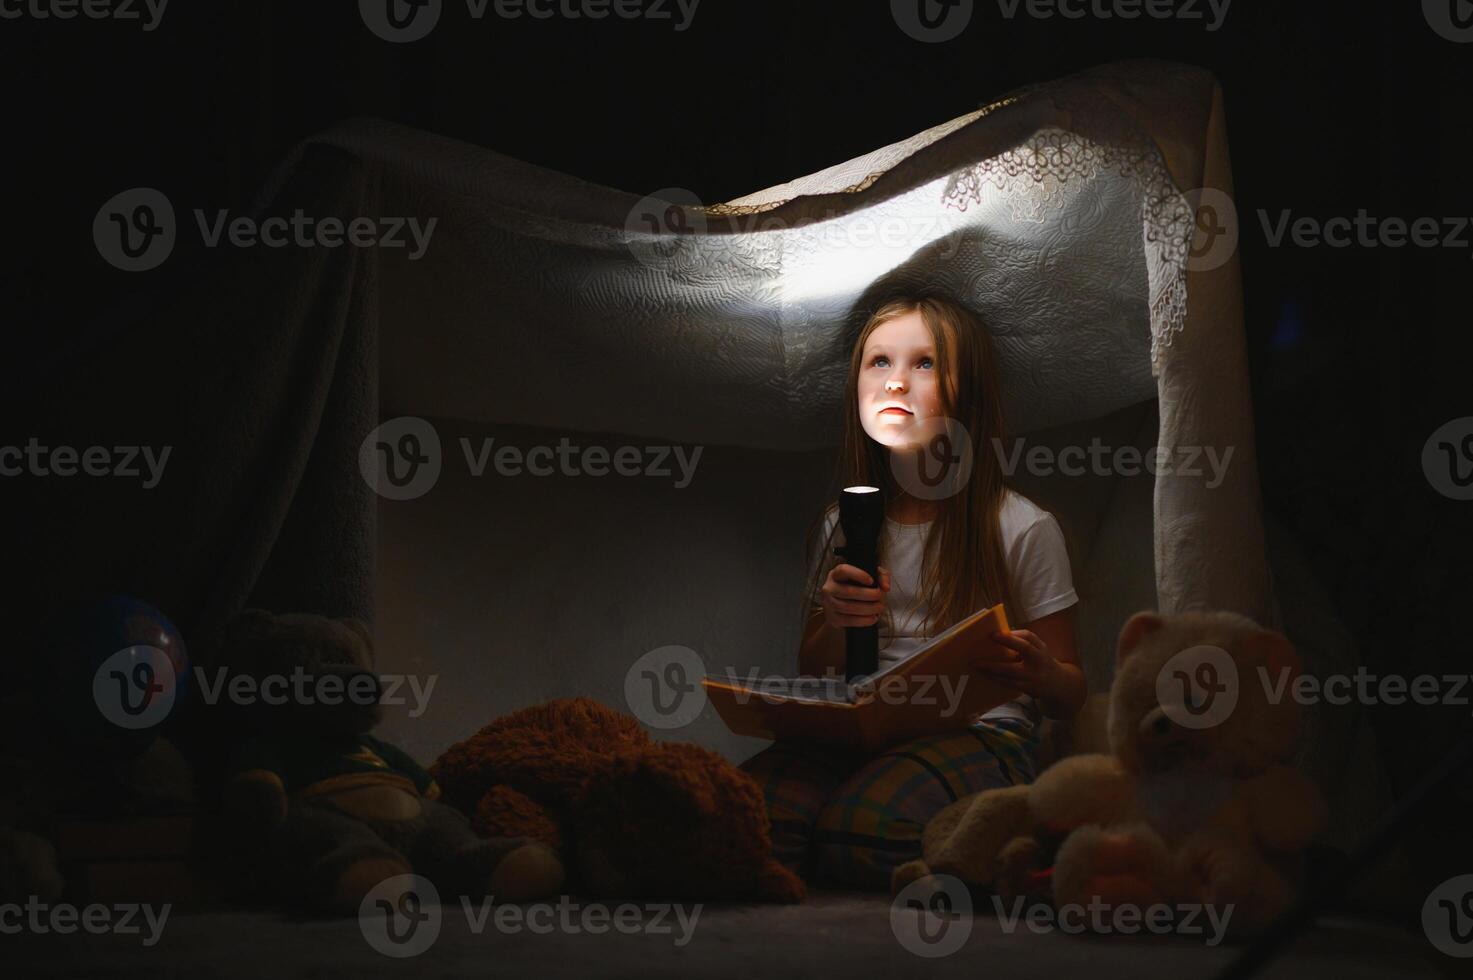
<point x="1357" y="354"/>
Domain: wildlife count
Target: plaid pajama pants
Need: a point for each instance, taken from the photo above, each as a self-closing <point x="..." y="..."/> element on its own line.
<point x="845" y="818"/>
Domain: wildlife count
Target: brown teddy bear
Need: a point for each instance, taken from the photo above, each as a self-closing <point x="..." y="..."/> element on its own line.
<point x="1195" y="803"/>
<point x="640" y="818"/>
<point x="326" y="811"/>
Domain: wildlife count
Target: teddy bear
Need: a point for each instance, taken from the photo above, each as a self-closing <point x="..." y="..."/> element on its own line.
<point x="51" y="780"/>
<point x="1193" y="803"/>
<point x="28" y="867"/>
<point x="328" y="812"/>
<point x="635" y="817"/>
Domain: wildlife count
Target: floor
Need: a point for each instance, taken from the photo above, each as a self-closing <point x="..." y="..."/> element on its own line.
<point x="844" y="934"/>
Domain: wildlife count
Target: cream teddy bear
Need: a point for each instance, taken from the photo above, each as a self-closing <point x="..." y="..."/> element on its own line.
<point x="1195" y="803"/>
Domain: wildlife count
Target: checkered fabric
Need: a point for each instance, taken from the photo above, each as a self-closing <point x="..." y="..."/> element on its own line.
<point x="846" y="818"/>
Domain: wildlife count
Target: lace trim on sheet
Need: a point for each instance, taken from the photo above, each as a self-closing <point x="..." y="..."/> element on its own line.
<point x="1035" y="177"/>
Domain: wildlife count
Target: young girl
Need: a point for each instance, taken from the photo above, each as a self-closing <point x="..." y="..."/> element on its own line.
<point x="839" y="815"/>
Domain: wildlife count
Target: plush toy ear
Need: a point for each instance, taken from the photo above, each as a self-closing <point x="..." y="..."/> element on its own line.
<point x="361" y="628"/>
<point x="1135" y="629"/>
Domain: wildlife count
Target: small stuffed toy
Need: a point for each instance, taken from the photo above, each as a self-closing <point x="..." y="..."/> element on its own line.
<point x="335" y="811"/>
<point x="48" y="780"/>
<point x="1202" y="813"/>
<point x="28" y="868"/>
<point x="637" y="818"/>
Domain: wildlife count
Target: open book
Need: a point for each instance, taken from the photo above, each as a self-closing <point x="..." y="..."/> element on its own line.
<point x="931" y="691"/>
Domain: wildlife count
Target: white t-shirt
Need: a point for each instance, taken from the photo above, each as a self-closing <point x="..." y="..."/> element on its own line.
<point x="1038" y="570"/>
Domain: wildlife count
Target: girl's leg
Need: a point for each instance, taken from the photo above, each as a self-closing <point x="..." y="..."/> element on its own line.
<point x="797" y="779"/>
<point x="873" y="822"/>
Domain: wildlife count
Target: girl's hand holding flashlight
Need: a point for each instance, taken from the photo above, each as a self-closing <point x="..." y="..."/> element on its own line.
<point x="850" y="597"/>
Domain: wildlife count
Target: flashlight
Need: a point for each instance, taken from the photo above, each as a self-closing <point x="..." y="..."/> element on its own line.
<point x="861" y="515"/>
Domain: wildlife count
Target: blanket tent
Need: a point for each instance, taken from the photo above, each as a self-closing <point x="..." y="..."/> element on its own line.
<point x="546" y="307"/>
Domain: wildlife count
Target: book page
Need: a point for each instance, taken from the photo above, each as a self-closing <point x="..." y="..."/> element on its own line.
<point x="864" y="684"/>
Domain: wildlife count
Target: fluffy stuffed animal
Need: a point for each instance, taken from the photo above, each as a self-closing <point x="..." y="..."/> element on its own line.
<point x="28" y="868"/>
<point x="637" y="818"/>
<point x="337" y="812"/>
<point x="49" y="780"/>
<point x="1184" y="809"/>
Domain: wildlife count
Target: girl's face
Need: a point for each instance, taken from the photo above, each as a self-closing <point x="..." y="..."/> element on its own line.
<point x="899" y="381"/>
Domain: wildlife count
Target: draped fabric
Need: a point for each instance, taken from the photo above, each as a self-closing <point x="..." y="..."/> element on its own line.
<point x="1064" y="213"/>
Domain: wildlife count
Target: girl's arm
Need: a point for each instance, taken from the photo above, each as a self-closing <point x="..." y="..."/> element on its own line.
<point x="845" y="603"/>
<point x="823" y="647"/>
<point x="1065" y="695"/>
<point x="1047" y="667"/>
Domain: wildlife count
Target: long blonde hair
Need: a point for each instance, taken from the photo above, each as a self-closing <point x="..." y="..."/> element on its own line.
<point x="963" y="564"/>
